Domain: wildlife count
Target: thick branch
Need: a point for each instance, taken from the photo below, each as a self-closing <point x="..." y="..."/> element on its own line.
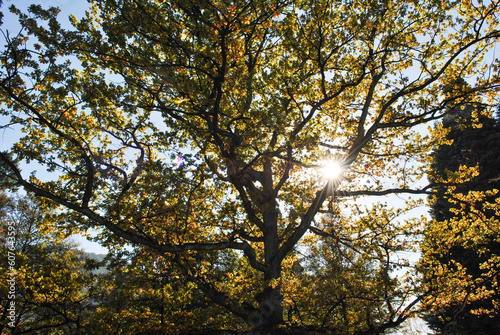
<point x="305" y="223"/>
<point x="131" y="235"/>
<point x="424" y="190"/>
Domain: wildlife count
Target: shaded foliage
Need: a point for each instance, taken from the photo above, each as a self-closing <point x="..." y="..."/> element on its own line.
<point x="472" y="142"/>
<point x="53" y="289"/>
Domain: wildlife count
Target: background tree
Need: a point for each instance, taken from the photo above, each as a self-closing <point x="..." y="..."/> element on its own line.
<point x="143" y="293"/>
<point x="464" y="255"/>
<point x="53" y="288"/>
<point x="252" y="98"/>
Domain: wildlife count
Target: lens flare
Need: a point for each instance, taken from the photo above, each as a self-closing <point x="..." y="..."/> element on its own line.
<point x="180" y="161"/>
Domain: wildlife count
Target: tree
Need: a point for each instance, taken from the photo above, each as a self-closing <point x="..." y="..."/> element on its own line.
<point x="47" y="283"/>
<point x="463" y="256"/>
<point x="251" y="98"/>
<point x="144" y="293"/>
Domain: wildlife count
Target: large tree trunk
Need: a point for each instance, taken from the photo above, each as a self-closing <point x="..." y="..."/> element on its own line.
<point x="270" y="314"/>
<point x="270" y="300"/>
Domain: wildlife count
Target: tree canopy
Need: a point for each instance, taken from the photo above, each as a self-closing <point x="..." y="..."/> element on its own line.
<point x="199" y="129"/>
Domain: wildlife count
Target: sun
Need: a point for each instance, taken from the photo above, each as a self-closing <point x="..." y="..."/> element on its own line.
<point x="331" y="170"/>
